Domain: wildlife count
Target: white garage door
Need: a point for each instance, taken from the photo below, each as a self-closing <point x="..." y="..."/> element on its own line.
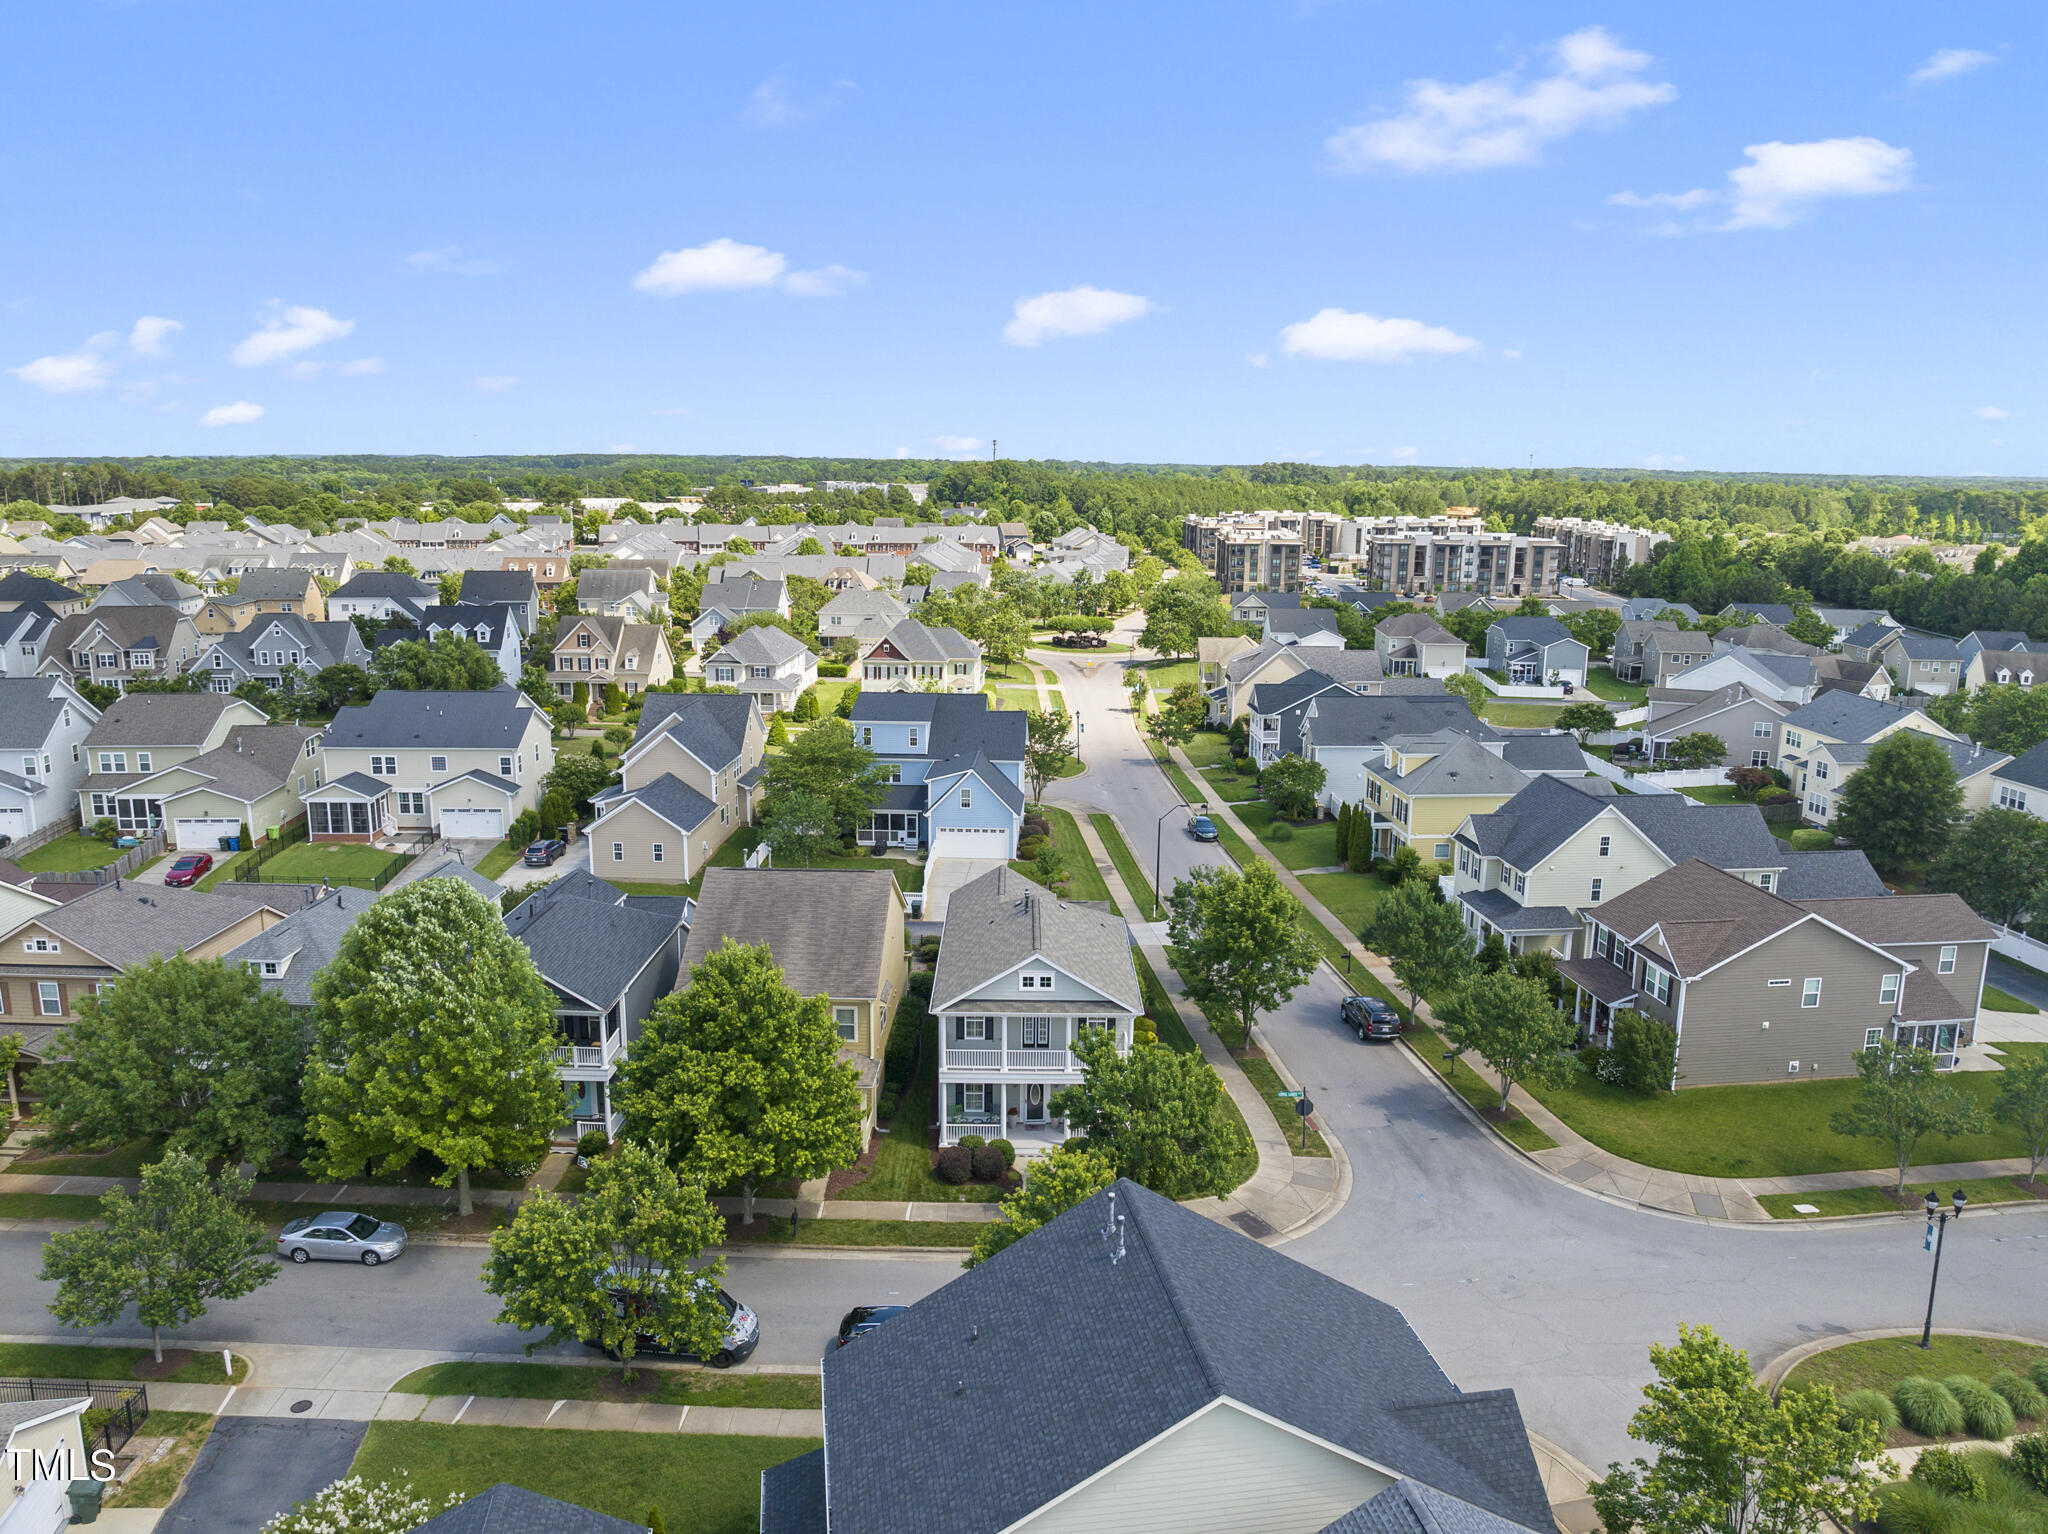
<point x="473" y="824"/>
<point x="13" y="822"/>
<point x="203" y="835"/>
<point x="970" y="843"/>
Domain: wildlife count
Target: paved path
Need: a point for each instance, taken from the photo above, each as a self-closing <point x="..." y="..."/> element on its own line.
<point x="251" y="1469"/>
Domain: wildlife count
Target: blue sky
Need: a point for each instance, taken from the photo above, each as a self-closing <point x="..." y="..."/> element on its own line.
<point x="1728" y="237"/>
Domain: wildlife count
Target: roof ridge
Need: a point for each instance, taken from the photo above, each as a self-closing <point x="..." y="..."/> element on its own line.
<point x="1164" y="1274"/>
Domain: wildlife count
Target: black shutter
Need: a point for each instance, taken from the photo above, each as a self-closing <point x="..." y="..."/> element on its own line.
<point x="959" y="1029"/>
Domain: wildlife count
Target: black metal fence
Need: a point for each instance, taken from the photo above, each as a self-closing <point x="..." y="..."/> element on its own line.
<point x="118" y="1410"/>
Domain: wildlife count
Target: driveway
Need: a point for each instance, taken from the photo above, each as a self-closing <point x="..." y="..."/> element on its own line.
<point x="942" y="876"/>
<point x="250" y="1469"/>
<point x="518" y="876"/>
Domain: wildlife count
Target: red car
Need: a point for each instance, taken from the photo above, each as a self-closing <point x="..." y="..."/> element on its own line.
<point x="188" y="869"/>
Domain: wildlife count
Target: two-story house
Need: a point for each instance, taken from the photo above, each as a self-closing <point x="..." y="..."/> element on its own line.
<point x="1021" y="976"/>
<point x="911" y="657"/>
<point x="635" y="594"/>
<point x="264" y="650"/>
<point x="1308" y="627"/>
<point x="859" y="617"/>
<point x="598" y="652"/>
<point x="548" y="568"/>
<point x="137" y="736"/>
<point x="956" y="771"/>
<point x="463" y="764"/>
<point x="2022" y="782"/>
<point x="1422" y="788"/>
<point x="24" y="631"/>
<point x="687" y="781"/>
<point x="44" y="725"/>
<point x="254" y="777"/>
<point x="494" y="630"/>
<point x="156" y="589"/>
<point x="1348" y="734"/>
<point x="109" y="646"/>
<point x="383" y="595"/>
<point x="1535" y="651"/>
<point x="1923" y="663"/>
<point x="1762" y="988"/>
<point x="836" y="933"/>
<point x="1252" y="606"/>
<point x="1834" y="720"/>
<point x="724" y="603"/>
<point x="1787" y="679"/>
<point x="1274" y="711"/>
<point x="515" y="589"/>
<point x="607" y="957"/>
<point x="1971" y="644"/>
<point x="1627" y="657"/>
<point x="1866" y="639"/>
<point x="1670" y="653"/>
<point x="1212" y="655"/>
<point x="20" y="588"/>
<point x="1743" y="718"/>
<point x="770" y="665"/>
<point x="1415" y="644"/>
<point x="287" y="592"/>
<point x="1562" y="845"/>
<point x="1360" y="671"/>
<point x="2019" y="668"/>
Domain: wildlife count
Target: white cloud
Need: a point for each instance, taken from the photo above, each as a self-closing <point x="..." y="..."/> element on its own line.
<point x="1505" y="119"/>
<point x="1783" y="180"/>
<point x="1949" y="64"/>
<point x="1993" y="413"/>
<point x="1081" y="311"/>
<point x="1257" y="359"/>
<point x="957" y="444"/>
<point x="240" y="413"/>
<point x="1338" y="335"/>
<point x="1684" y="202"/>
<point x="497" y="383"/>
<point x="362" y="367"/>
<point x="450" y="259"/>
<point x="146" y="338"/>
<point x="81" y="372"/>
<point x="622" y="447"/>
<point x="902" y="452"/>
<point x="1513" y="354"/>
<point x="825" y="282"/>
<point x="773" y="105"/>
<point x="287" y="332"/>
<point x="721" y="265"/>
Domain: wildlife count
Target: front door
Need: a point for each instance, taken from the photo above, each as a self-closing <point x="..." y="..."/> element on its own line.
<point x="1034" y="1103"/>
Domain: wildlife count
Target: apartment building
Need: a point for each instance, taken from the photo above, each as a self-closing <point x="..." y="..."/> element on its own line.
<point x="1248" y="550"/>
<point x="1590" y="548"/>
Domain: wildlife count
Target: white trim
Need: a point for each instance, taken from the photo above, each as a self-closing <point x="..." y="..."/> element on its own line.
<point x="986" y="987"/>
<point x="628" y="799"/>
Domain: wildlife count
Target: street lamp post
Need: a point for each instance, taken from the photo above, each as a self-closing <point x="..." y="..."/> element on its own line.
<point x="1937" y="1229"/>
<point x="1159" y="848"/>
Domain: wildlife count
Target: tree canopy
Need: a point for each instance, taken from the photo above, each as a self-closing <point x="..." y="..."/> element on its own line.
<point x="1238" y="940"/>
<point x="1903" y="804"/>
<point x="445" y="663"/>
<point x="1156" y="1115"/>
<point x="828" y="763"/>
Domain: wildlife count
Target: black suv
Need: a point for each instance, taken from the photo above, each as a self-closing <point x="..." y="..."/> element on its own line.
<point x="863" y="1319"/>
<point x="540" y="854"/>
<point x="1370" y="1018"/>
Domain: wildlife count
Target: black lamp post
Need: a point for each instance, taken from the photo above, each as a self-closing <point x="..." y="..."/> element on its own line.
<point x="1937" y="1228"/>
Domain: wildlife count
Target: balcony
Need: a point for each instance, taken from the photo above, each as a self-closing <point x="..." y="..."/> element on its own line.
<point x="1022" y="1061"/>
<point x="591" y="1057"/>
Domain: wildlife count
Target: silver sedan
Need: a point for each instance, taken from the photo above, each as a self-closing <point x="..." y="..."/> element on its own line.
<point x="340" y="1235"/>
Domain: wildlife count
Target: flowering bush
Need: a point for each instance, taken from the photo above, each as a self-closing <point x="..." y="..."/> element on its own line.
<point x="357" y="1506"/>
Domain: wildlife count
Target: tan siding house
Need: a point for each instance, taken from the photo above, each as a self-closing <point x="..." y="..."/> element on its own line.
<point x="685" y="785"/>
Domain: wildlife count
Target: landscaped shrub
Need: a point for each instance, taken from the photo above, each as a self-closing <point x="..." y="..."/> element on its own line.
<point x="1748" y="780"/>
<point x="1812" y="839"/>
<point x="1986" y="1413"/>
<point x="1642" y="1054"/>
<point x="1914" y="1507"/>
<point x="1958" y="1475"/>
<point x="1404" y="865"/>
<point x="2029" y="1461"/>
<point x="1029" y="847"/>
<point x="1006" y="1150"/>
<point x="988" y="1164"/>
<point x="1279" y="831"/>
<point x="885" y="1105"/>
<point x="778" y="732"/>
<point x="1144" y="1031"/>
<point x="1037" y="825"/>
<point x="920" y="985"/>
<point x="806" y="706"/>
<point x="972" y="1142"/>
<point x="593" y="1142"/>
<point x="928" y="948"/>
<point x="955" y="1164"/>
<point x="1926" y="1406"/>
<point x="1870" y="1406"/>
<point x="2037" y="1371"/>
<point x="2021" y="1394"/>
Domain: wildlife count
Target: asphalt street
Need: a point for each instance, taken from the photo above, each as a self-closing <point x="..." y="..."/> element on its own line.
<point x="2018" y="980"/>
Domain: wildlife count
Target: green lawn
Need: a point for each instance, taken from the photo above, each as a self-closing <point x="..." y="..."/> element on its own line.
<point x="498" y="859"/>
<point x="1126" y="865"/>
<point x="1174" y="775"/>
<point x="704" y="1483"/>
<point x="1880" y="1363"/>
<point x="1996" y="1000"/>
<point x="69" y="855"/>
<point x="227" y="868"/>
<point x="569" y="1382"/>
<point x="69" y="1361"/>
<point x="1165" y="675"/>
<point x="335" y="861"/>
<point x="902" y="1169"/>
<point x="1603" y="683"/>
<point x="1270" y="1086"/>
<point x="1084" y="879"/>
<point x="1978" y="1190"/>
<point x="1208" y="748"/>
<point x="1313" y="845"/>
<point x="1230" y="786"/>
<point x="1777" y="1129"/>
<point x="1714" y="793"/>
<point x="122" y="1161"/>
<point x="154" y="1484"/>
<point x="1351" y="898"/>
<point x="48" y="1206"/>
<point x="945" y="1234"/>
<point x="1480" y="1091"/>
<point x="1517" y="714"/>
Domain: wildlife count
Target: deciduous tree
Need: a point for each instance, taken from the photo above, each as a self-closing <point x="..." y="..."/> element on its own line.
<point x="1695" y="749"/>
<point x="1903" y="804"/>
<point x="435" y="1033"/>
<point x="1903" y="1099"/>
<point x="1240" y="945"/>
<point x="1997" y="861"/>
<point x="828" y="763"/>
<point x="1420" y="936"/>
<point x="1155" y="1115"/>
<point x="178" y="1242"/>
<point x="1048" y="748"/>
<point x="1183" y="712"/>
<point x="1293" y="785"/>
<point x="801" y="829"/>
<point x="2022" y="1103"/>
<point x="1053" y="1184"/>
<point x="1584" y="719"/>
<point x="736" y="1078"/>
<point x="1513" y="1025"/>
<point x="445" y="663"/>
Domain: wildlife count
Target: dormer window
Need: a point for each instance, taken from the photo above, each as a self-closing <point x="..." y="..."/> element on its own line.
<point x="1036" y="980"/>
<point x="913" y="738"/>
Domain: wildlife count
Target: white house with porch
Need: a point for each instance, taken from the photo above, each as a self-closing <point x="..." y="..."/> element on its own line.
<point x="1022" y="973"/>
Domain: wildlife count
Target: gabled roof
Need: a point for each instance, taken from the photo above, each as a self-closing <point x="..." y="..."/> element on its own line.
<point x="1906" y="919"/>
<point x="2015" y="661"/>
<point x="1301" y="621"/>
<point x="491" y="720"/>
<point x="1779" y="613"/>
<point x="828" y="927"/>
<point x="1543" y="753"/>
<point x="508" y="1509"/>
<point x="130" y="628"/>
<point x="388" y="583"/>
<point x="959" y="724"/>
<point x="1349" y="720"/>
<point x="584" y="938"/>
<point x="254" y="760"/>
<point x="30" y="708"/>
<point x="610" y="585"/>
<point x="268" y="585"/>
<point x="160" y="718"/>
<point x="985" y="771"/>
<point x="321" y="644"/>
<point x="512" y="586"/>
<point x="1827" y="876"/>
<point x="1409" y="1507"/>
<point x="1869" y="634"/>
<point x="1923" y="646"/>
<point x="762" y="645"/>
<point x="1966" y="756"/>
<point x="1121" y="1352"/>
<point x="1002" y="919"/>
<point x="1702" y="916"/>
<point x="2029" y="769"/>
<point x="124" y="924"/>
<point x="712" y="727"/>
<point x="917" y="643"/>
<point x="1418" y="627"/>
<point x="667" y="796"/>
<point x="1461" y="766"/>
<point x="1842" y="715"/>
<point x="1270" y="600"/>
<point x="1531" y="631"/>
<point x="1543" y="816"/>
<point x="20" y="586"/>
<point x="744" y="596"/>
<point x="306" y="941"/>
<point x="1719" y="701"/>
<point x="859" y="602"/>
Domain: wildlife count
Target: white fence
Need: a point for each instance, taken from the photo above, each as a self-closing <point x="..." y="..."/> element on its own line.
<point x="2018" y="946"/>
<point x="1682" y="777"/>
<point x="1521" y="689"/>
<point x="1644" y="784"/>
<point x="761" y="857"/>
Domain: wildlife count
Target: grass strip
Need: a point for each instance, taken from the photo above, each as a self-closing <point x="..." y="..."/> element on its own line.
<point x="1126" y="866"/>
<point x="48" y="1206"/>
<point x="1878" y="1199"/>
<point x="1270" y="1086"/>
<point x="498" y="859"/>
<point x="662" y="1386"/>
<point x="703" y="1483"/>
<point x="941" y="1233"/>
<point x="1173" y="1033"/>
<point x="2004" y="1001"/>
<point x="156" y="1484"/>
<point x="1179" y="779"/>
<point x="1881" y="1362"/>
<point x="1084" y="879"/>
<point x="1474" y="1088"/>
<point x="76" y="1361"/>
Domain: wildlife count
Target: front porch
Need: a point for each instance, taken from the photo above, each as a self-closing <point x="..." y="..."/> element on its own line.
<point x="588" y="1105"/>
<point x="1017" y="1111"/>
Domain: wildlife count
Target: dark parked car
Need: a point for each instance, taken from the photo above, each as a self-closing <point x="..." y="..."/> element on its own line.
<point x="1370" y="1018"/>
<point x="863" y="1319"/>
<point x="1202" y="829"/>
<point x="742" y="1335"/>
<point x="188" y="869"/>
<point x="540" y="854"/>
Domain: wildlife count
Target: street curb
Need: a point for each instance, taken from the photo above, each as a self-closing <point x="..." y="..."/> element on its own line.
<point x="1774" y="1371"/>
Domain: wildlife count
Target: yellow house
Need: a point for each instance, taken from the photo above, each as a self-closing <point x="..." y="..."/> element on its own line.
<point x="1422" y="788"/>
<point x="263" y="591"/>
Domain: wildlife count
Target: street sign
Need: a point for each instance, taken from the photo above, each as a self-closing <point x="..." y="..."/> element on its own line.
<point x="1291" y="1094"/>
<point x="1302" y="1105"/>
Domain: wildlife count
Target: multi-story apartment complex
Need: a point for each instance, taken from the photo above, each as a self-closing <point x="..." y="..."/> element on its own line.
<point x="1248" y="550"/>
<point x="1412" y="556"/>
<point x="1591" y="547"/>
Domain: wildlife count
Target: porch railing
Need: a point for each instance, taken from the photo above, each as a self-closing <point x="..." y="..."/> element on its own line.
<point x="611" y="1124"/>
<point x="591" y="1056"/>
<point x="1011" y="1060"/>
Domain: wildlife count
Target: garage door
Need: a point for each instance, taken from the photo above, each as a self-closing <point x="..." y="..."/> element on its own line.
<point x="474" y="824"/>
<point x="203" y="835"/>
<point x="970" y="843"/>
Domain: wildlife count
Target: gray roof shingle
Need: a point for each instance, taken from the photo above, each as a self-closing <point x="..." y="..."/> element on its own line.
<point x="958" y="724"/>
<point x="998" y="921"/>
<point x="1846" y="716"/>
<point x="712" y="727"/>
<point x="2029" y="769"/>
<point x="585" y="940"/>
<point x="508" y="1509"/>
<point x="1346" y="720"/>
<point x="30" y="707"/>
<point x="1539" y="819"/>
<point x="493" y="719"/>
<point x="1409" y="1507"/>
<point x="668" y="796"/>
<point x="827" y="927"/>
<point x="124" y="924"/>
